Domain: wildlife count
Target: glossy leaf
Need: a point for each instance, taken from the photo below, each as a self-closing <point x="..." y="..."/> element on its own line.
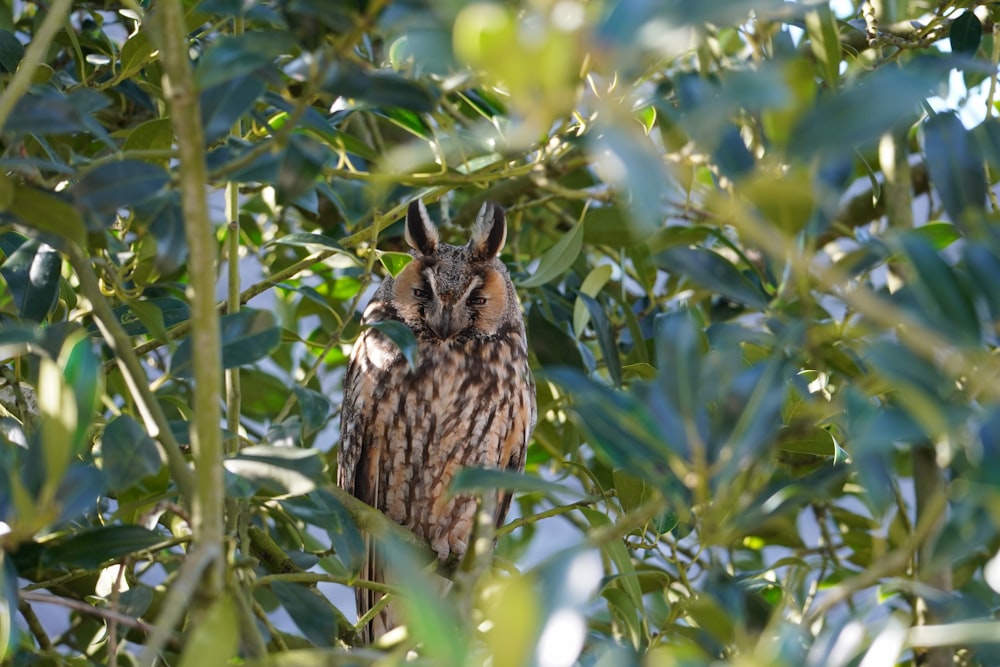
<point x="321" y="509"/>
<point x="240" y="56"/>
<point x="711" y="270"/>
<point x="557" y="259"/>
<point x="955" y="168"/>
<point x="965" y="33"/>
<point x="314" y="407"/>
<point x="941" y="292"/>
<point x="984" y="269"/>
<point x="865" y="110"/>
<point x="46" y="212"/>
<point x="8" y="602"/>
<point x="103" y="190"/>
<point x="128" y="453"/>
<point x="482" y="480"/>
<point x="11" y="52"/>
<point x="222" y="105"/>
<point x="32" y="275"/>
<point x="282" y="471"/>
<point x="247" y="336"/>
<point x="605" y="338"/>
<point x="94" y="546"/>
<point x="311" y="612"/>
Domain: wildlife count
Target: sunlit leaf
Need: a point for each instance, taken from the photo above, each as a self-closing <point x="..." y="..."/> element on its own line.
<point x="281" y="471"/>
<point x="557" y="259"/>
<point x="216" y="637"/>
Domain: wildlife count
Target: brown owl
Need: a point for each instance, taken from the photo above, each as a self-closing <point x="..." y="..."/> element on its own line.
<point x="469" y="402"/>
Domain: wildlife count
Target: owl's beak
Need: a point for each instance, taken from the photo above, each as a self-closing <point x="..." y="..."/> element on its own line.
<point x="442" y="323"/>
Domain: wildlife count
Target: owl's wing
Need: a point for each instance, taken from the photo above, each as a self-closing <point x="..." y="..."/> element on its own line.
<point x="524" y="423"/>
<point x="358" y="463"/>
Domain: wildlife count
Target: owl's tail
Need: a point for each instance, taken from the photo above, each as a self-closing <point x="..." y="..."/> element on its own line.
<point x="367" y="599"/>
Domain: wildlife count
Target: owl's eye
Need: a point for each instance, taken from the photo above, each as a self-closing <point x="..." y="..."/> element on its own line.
<point x="420" y="294"/>
<point x="477" y="301"/>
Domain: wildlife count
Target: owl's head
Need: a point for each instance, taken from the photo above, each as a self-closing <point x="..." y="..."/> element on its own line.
<point x="456" y="291"/>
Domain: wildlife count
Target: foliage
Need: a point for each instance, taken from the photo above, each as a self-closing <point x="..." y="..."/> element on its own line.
<point x="756" y="247"/>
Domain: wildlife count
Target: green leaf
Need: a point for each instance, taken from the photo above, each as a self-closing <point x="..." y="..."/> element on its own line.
<point x="163" y="218"/>
<point x="321" y="509"/>
<point x="247" y="336"/>
<point x="234" y="57"/>
<point x="605" y="338"/>
<point x="394" y="262"/>
<point x="128" y="453"/>
<point x="940" y="292"/>
<point x="557" y="259"/>
<point x="310" y="610"/>
<point x="984" y="269"/>
<point x="153" y="135"/>
<point x="279" y="471"/>
<point x="939" y="235"/>
<point x="379" y="88"/>
<point x="55" y="113"/>
<point x="32" y="275"/>
<point x="633" y="165"/>
<point x="884" y="99"/>
<point x="301" y="163"/>
<point x="402" y="337"/>
<point x="152" y="316"/>
<point x="955" y="168"/>
<point x="551" y="345"/>
<point x="431" y="621"/>
<point x="591" y="286"/>
<point x="59" y="421"/>
<point x="46" y="212"/>
<point x="610" y="225"/>
<point x="711" y="270"/>
<point x="8" y="602"/>
<point x="91" y="548"/>
<point x="215" y="638"/>
<point x="815" y="440"/>
<point x="224" y="104"/>
<point x="310" y="240"/>
<point x="484" y="480"/>
<point x="110" y="186"/>
<point x="11" y="52"/>
<point x="965" y="33"/>
<point x="82" y="371"/>
<point x="314" y="407"/>
<point x="135" y="54"/>
<point x="824" y="39"/>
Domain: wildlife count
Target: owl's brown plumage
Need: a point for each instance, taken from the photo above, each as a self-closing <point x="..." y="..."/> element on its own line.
<point x="470" y="401"/>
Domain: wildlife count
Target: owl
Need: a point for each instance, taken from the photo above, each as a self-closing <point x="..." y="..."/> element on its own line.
<point x="468" y="402"/>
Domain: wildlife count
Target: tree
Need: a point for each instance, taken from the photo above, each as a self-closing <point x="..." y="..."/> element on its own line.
<point x="756" y="247"/>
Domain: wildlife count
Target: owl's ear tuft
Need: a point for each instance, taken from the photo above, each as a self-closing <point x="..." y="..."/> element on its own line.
<point x="421" y="234"/>
<point x="489" y="232"/>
